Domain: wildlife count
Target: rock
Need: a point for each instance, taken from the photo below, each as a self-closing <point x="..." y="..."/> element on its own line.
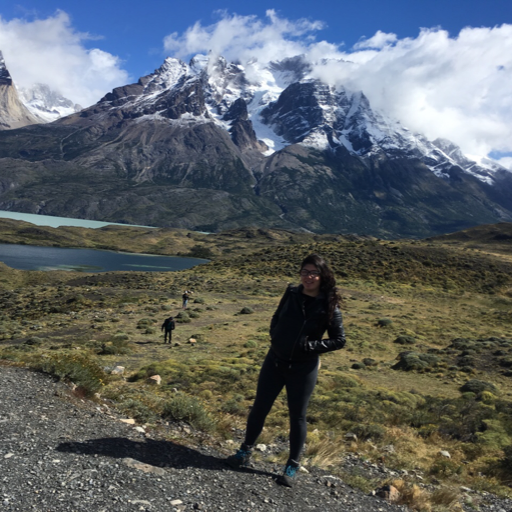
<point x="142" y="430"/>
<point x="128" y="421"/>
<point x="446" y="454"/>
<point x="261" y="447"/>
<point x="146" y="468"/>
<point x="192" y="341"/>
<point x="118" y="370"/>
<point x="388" y="492"/>
<point x="154" y="380"/>
<point x="176" y="502"/>
<point x="350" y="436"/>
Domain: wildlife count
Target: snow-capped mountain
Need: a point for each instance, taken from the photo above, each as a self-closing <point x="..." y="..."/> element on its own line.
<point x="47" y="104"/>
<point x="214" y="145"/>
<point x="13" y="114"/>
<point x="285" y="106"/>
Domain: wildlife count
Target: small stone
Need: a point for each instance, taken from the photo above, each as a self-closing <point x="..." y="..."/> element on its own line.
<point x="192" y="341"/>
<point x="128" y="421"/>
<point x="446" y="454"/>
<point x="388" y="492"/>
<point x="261" y="447"/>
<point x="176" y="502"/>
<point x="350" y="436"/>
<point x="140" y="429"/>
<point x="118" y="370"/>
<point x="154" y="380"/>
<point x="8" y="455"/>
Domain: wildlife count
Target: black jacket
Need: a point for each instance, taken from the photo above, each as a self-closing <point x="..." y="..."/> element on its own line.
<point x="296" y="329"/>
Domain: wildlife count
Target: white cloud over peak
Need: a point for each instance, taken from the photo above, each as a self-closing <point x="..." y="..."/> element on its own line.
<point x="455" y="87"/>
<point x="50" y="51"/>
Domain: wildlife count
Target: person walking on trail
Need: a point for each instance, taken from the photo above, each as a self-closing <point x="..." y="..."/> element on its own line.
<point x="304" y="313"/>
<point x="168" y="326"/>
<point x="185" y="297"/>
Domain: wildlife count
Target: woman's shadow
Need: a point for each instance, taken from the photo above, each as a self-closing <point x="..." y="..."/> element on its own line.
<point x="162" y="454"/>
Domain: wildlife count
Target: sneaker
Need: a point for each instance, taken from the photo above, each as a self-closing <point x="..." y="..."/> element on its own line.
<point x="288" y="478"/>
<point x="240" y="458"/>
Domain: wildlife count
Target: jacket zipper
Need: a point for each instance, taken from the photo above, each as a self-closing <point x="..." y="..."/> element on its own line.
<point x="300" y="332"/>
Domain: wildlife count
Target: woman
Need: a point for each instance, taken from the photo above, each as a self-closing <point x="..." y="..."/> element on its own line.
<point x="301" y="319"/>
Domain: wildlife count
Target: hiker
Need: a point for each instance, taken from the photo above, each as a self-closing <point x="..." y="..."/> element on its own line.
<point x="185" y="297"/>
<point x="304" y="313"/>
<point x="168" y="326"/>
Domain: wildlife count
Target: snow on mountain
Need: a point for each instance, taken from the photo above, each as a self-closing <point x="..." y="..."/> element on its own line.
<point x="46" y="104"/>
<point x="287" y="106"/>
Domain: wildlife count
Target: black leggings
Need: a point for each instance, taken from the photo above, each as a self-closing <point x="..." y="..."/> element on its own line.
<point x="299" y="379"/>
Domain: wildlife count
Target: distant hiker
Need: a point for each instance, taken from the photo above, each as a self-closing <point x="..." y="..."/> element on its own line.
<point x="185" y="297"/>
<point x="304" y="313"/>
<point x="168" y="326"/>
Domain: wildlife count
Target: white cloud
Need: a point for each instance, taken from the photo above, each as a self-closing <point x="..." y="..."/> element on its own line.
<point x="50" y="51"/>
<point x="452" y="87"/>
<point x="506" y="162"/>
<point x="379" y="40"/>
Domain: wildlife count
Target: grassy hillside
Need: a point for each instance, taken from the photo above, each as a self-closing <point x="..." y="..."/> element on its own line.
<point x="427" y="366"/>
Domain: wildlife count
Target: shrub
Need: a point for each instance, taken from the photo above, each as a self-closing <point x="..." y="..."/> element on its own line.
<point x="477" y="386"/>
<point x="34" y="341"/>
<point x="246" y="310"/>
<point x="198" y="300"/>
<point x="234" y="406"/>
<point x="77" y="368"/>
<point x="138" y="410"/>
<point x="118" y="345"/>
<point x="251" y="344"/>
<point x="405" y="340"/>
<point x="384" y="322"/>
<point x="358" y="366"/>
<point x="183" y="318"/>
<point x="144" y="322"/>
<point x="369" y="431"/>
<point x="186" y="408"/>
<point x="414" y="361"/>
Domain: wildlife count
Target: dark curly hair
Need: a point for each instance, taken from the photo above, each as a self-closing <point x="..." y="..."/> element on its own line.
<point x="327" y="281"/>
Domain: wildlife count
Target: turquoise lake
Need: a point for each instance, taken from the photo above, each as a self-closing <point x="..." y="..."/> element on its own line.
<point x="31" y="257"/>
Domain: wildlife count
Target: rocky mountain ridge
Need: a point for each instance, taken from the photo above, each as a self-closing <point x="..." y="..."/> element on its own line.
<point x="13" y="113"/>
<point x="215" y="145"/>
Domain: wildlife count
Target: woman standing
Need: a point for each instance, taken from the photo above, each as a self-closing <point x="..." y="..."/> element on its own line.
<point x="296" y="330"/>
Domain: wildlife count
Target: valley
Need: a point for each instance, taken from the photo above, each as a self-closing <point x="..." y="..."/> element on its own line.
<point x="427" y="367"/>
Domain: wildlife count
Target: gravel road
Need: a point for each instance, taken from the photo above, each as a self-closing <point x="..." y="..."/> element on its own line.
<point x="61" y="453"/>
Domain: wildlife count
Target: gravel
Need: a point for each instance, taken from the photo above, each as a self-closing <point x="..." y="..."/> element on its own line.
<point x="61" y="453"/>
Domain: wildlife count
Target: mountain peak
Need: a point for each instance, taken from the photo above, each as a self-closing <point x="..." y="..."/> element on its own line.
<point x="5" y="77"/>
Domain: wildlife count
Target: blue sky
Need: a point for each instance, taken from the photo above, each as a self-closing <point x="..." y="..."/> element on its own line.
<point x="84" y="49"/>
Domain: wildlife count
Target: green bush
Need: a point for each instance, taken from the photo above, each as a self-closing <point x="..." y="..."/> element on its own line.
<point x="369" y="431"/>
<point x="136" y="409"/>
<point x="405" y="340"/>
<point x="384" y="322"/>
<point x="189" y="409"/>
<point x="246" y="311"/>
<point x="183" y="318"/>
<point x="409" y="361"/>
<point x="477" y="386"/>
<point x="88" y="376"/>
